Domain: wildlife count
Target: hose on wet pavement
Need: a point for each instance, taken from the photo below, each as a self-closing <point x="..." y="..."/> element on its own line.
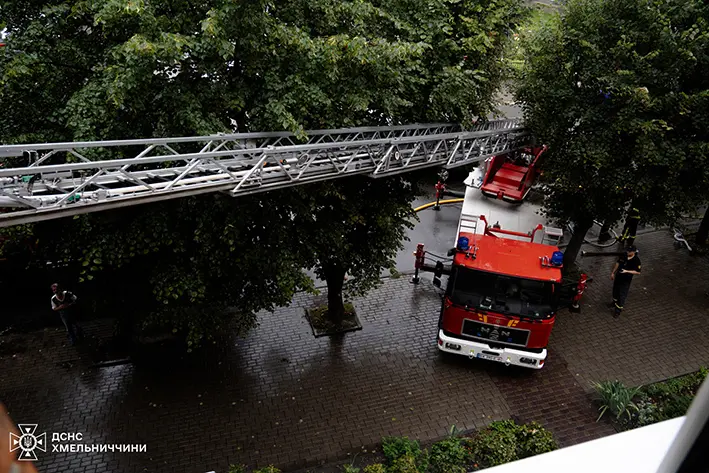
<point x="441" y="202"/>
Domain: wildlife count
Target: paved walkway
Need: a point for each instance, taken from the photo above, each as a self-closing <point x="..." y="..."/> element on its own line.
<point x="281" y="396"/>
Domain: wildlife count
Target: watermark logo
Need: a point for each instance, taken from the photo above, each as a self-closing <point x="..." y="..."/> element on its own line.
<point x="27" y="442"/>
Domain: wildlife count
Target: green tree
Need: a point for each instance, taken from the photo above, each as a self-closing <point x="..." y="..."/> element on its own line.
<point x="193" y="265"/>
<point x="353" y="227"/>
<point x="619" y="91"/>
<point x="87" y="69"/>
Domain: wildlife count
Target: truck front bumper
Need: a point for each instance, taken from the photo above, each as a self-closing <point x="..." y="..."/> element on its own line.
<point x="508" y="356"/>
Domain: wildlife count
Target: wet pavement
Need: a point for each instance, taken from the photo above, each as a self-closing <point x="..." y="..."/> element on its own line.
<point x="281" y="396"/>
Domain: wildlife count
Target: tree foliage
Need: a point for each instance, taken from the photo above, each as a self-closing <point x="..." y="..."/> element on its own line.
<point x="88" y="69"/>
<point x="620" y="92"/>
<point x="180" y="264"/>
<point x="353" y="227"/>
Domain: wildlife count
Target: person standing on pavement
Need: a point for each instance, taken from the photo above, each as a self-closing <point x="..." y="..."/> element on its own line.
<point x="622" y="275"/>
<point x="64" y="302"/>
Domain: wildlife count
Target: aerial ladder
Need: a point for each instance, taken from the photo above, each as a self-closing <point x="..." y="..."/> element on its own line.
<point x="66" y="179"/>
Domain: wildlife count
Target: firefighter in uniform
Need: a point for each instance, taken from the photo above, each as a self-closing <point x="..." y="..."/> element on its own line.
<point x="630" y="228"/>
<point x="622" y="276"/>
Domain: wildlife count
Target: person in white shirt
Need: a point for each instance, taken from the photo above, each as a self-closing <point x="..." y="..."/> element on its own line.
<point x="64" y="302"/>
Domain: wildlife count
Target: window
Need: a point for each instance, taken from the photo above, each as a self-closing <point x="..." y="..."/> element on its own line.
<point x="504" y="294"/>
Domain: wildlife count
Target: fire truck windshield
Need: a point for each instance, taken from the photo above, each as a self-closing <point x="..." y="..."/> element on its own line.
<point x="504" y="294"/>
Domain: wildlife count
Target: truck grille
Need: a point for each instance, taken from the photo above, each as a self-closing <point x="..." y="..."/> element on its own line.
<point x="495" y="333"/>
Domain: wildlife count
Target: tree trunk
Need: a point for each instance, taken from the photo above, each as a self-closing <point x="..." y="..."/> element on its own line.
<point x="335" y="279"/>
<point x="605" y="234"/>
<point x="703" y="232"/>
<point x="572" y="250"/>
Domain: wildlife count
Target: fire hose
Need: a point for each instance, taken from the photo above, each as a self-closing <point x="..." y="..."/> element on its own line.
<point x="441" y="202"/>
<point x="612" y="242"/>
<point x="680" y="239"/>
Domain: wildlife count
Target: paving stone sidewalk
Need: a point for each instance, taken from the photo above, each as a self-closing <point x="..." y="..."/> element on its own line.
<point x="282" y="397"/>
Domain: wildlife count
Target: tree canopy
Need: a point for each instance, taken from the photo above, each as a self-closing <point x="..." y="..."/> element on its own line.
<point x="353" y="227"/>
<point x="620" y="93"/>
<point x="88" y="69"/>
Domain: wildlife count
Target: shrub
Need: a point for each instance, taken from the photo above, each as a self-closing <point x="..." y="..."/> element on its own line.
<point x="505" y="441"/>
<point x="495" y="445"/>
<point x="533" y="439"/>
<point x="350" y="468"/>
<point x="702" y="375"/>
<point x="374" y="468"/>
<point x="405" y="464"/>
<point x="668" y="399"/>
<point x="397" y="447"/>
<point x="682" y="386"/>
<point x="237" y="468"/>
<point x="448" y="456"/>
<point x="647" y="413"/>
<point x="675" y="407"/>
<point x="673" y="397"/>
<point x="616" y="398"/>
<point x="652" y="403"/>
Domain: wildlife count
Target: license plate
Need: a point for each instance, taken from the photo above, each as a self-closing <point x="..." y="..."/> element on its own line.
<point x="489" y="357"/>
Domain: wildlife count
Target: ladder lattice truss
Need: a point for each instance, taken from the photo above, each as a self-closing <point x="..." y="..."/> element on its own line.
<point x="64" y="179"/>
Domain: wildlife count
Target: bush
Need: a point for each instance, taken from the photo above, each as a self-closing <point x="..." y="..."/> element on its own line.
<point x="237" y="468"/>
<point x="682" y="386"/>
<point x="652" y="403"/>
<point x="448" y="456"/>
<point x="673" y="397"/>
<point x="533" y="439"/>
<point x="495" y="445"/>
<point x="397" y="447"/>
<point x="350" y="468"/>
<point x="405" y="464"/>
<point x="647" y="413"/>
<point x="616" y="398"/>
<point x="505" y="441"/>
<point x="374" y="468"/>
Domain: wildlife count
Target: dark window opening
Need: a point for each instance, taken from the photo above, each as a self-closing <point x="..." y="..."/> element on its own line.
<point x="503" y="294"/>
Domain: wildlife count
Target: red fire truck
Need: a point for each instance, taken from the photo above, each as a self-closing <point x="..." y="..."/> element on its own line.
<point x="503" y="291"/>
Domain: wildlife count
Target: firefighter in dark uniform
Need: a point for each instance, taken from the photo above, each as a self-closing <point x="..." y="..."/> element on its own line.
<point x="630" y="229"/>
<point x="622" y="276"/>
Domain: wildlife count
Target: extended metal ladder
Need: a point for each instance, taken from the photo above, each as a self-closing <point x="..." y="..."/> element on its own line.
<point x="64" y="179"/>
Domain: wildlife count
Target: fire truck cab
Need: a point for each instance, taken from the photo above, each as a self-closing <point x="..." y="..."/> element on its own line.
<point x="503" y="287"/>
